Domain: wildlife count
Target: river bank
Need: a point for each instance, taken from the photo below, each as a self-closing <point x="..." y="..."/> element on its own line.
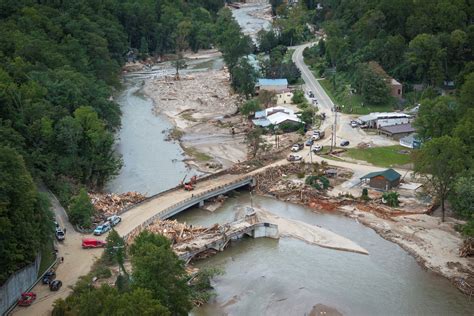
<point x="434" y="245"/>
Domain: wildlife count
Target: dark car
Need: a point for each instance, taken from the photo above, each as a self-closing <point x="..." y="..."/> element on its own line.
<point x="309" y="142"/>
<point x="55" y="285"/>
<point x="48" y="277"/>
<point x="345" y="143"/>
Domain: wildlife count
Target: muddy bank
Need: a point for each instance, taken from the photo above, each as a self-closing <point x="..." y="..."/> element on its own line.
<point x="434" y="245"/>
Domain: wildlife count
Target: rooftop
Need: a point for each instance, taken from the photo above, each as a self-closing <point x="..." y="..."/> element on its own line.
<point x="388" y="174"/>
<point x="272" y="82"/>
<point x="382" y="115"/>
<point x="399" y="128"/>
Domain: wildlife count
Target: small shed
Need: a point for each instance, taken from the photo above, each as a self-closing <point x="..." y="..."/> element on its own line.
<point x="383" y="180"/>
<point x="397" y="131"/>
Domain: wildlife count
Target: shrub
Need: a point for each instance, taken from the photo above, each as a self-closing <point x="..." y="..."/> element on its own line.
<point x="391" y="198"/>
<point x="81" y="209"/>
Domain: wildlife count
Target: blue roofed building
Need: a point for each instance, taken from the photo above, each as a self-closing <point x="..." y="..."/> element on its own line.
<point x="276" y="85"/>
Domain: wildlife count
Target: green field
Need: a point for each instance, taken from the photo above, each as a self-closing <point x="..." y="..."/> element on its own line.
<point x="389" y="156"/>
<point x="353" y="102"/>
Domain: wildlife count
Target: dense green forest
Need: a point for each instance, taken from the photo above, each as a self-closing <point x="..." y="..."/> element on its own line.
<point x="60" y="62"/>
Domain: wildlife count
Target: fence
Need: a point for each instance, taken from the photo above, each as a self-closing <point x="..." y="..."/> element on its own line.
<point x="17" y="283"/>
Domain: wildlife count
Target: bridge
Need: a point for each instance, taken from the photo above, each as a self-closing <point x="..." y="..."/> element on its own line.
<point x="171" y="202"/>
<point x="218" y="240"/>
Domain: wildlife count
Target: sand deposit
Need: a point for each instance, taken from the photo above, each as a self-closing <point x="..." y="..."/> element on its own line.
<point x="311" y="234"/>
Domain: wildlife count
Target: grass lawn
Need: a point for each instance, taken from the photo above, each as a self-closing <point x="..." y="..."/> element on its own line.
<point x="47" y="257"/>
<point x="352" y="101"/>
<point x="389" y="156"/>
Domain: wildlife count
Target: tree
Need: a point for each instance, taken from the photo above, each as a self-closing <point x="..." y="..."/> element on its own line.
<point x="425" y="55"/>
<point x="267" y="98"/>
<point x="391" y="198"/>
<point x="462" y="198"/>
<point x="250" y="107"/>
<point x="298" y="97"/>
<point x="244" y="78"/>
<point x="157" y="268"/>
<point x="115" y="250"/>
<point x="25" y="219"/>
<point x="440" y="161"/>
<point x="254" y="140"/>
<point x="81" y="209"/>
<point x="436" y="117"/>
<point x="182" y="33"/>
<point x="467" y="92"/>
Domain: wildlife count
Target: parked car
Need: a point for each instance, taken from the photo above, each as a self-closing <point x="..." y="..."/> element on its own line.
<point x="309" y="142"/>
<point x="354" y="124"/>
<point x="27" y="298"/>
<point x="345" y="143"/>
<point x="48" y="277"/>
<point x="60" y="234"/>
<point x="318" y="135"/>
<point x="293" y="157"/>
<point x="55" y="285"/>
<point x="317" y="148"/>
<point x="114" y="220"/>
<point x="102" y="229"/>
<point x="93" y="243"/>
<point x="297" y="147"/>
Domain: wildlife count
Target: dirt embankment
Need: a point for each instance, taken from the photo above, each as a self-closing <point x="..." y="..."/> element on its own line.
<point x="435" y="245"/>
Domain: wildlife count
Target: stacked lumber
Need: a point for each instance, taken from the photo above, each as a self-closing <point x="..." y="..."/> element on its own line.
<point x="109" y="204"/>
<point x="467" y="248"/>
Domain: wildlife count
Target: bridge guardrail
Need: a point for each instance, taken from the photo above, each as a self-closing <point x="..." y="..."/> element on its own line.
<point x="196" y="198"/>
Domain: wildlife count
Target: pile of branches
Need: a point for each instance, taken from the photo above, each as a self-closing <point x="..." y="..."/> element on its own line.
<point x="109" y="204"/>
<point x="173" y="230"/>
<point x="467" y="248"/>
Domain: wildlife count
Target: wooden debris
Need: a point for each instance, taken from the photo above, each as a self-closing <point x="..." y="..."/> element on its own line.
<point x="108" y="204"/>
<point x="467" y="248"/>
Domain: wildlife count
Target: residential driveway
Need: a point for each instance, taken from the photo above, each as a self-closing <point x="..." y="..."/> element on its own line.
<point x="325" y="105"/>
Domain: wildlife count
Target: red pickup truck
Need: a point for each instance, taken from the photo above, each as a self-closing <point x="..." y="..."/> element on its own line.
<point x="93" y="243"/>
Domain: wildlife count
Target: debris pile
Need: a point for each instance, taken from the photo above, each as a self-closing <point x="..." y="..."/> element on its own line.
<point x="173" y="230"/>
<point x="467" y="249"/>
<point x="110" y="203"/>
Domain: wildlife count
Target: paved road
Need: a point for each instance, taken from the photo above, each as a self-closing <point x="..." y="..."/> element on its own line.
<point x="326" y="105"/>
<point x="77" y="262"/>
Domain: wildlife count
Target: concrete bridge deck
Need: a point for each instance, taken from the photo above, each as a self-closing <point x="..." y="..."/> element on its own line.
<point x="174" y="201"/>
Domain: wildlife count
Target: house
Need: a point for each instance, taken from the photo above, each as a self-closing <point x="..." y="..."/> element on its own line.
<point x="383" y="180"/>
<point x="276" y="116"/>
<point x="277" y="85"/>
<point x="381" y="119"/>
<point x="397" y="131"/>
<point x="396" y="88"/>
<point x="411" y="141"/>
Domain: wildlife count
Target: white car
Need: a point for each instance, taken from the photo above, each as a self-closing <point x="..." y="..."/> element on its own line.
<point x="293" y="157"/>
<point x="354" y="124"/>
<point x="297" y="147"/>
<point x="114" y="220"/>
<point x="317" y="148"/>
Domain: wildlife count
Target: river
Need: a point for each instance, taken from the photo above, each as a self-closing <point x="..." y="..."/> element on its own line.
<point x="289" y="277"/>
<point x="279" y="277"/>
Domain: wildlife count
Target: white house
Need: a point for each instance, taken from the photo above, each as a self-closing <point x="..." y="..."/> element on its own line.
<point x="381" y="119"/>
<point x="275" y="116"/>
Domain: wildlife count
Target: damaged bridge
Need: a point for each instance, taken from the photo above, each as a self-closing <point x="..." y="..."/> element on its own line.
<point x="218" y="239"/>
